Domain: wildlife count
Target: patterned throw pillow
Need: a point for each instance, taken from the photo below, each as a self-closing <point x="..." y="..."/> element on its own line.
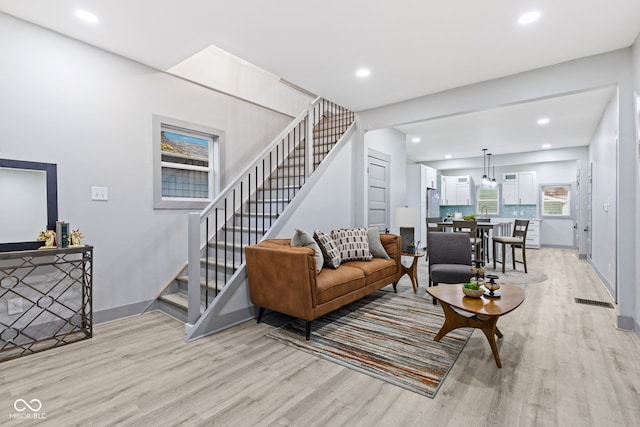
<point x="353" y="244"/>
<point x="302" y="238"/>
<point x="330" y="251"/>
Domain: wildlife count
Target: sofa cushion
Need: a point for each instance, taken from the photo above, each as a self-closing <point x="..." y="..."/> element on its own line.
<point x="353" y="244"/>
<point x="330" y="251"/>
<point x="374" y="270"/>
<point x="375" y="245"/>
<point x="332" y="284"/>
<point x="302" y="238"/>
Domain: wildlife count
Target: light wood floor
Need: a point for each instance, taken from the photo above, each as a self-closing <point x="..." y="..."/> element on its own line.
<point x="564" y="364"/>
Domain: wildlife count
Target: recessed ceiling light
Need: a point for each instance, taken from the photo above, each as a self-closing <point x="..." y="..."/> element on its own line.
<point x="416" y="140"/>
<point x="543" y="121"/>
<point x="363" y="72"/>
<point x="86" y="16"/>
<point x="529" y="17"/>
<point x="546" y="145"/>
<point x="447" y="156"/>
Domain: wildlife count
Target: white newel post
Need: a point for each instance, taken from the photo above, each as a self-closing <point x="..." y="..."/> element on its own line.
<point x="309" y="142"/>
<point x="194" y="269"/>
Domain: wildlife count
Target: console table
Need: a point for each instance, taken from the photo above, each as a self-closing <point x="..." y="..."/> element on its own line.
<point x="45" y="299"/>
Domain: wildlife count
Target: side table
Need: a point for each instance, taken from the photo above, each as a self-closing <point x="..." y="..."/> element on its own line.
<point x="412" y="270"/>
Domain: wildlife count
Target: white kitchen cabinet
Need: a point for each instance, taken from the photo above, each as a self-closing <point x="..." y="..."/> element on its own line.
<point x="519" y="188"/>
<point x="533" y="234"/>
<point x="443" y="190"/>
<point x="431" y="177"/>
<point x="527" y="188"/>
<point x="457" y="191"/>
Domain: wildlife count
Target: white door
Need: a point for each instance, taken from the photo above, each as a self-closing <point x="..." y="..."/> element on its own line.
<point x="378" y="190"/>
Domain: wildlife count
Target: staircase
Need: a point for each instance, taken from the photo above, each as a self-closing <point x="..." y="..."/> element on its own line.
<point x="245" y="210"/>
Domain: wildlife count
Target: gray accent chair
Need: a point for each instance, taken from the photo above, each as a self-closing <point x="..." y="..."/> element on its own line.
<point x="449" y="258"/>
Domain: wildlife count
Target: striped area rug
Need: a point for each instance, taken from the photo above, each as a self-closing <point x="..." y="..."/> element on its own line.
<point x="385" y="335"/>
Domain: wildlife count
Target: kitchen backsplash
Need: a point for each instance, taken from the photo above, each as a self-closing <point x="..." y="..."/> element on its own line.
<point x="515" y="211"/>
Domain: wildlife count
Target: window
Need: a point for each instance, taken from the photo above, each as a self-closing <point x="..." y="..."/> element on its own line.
<point x="488" y="200"/>
<point x="556" y="200"/>
<point x="185" y="164"/>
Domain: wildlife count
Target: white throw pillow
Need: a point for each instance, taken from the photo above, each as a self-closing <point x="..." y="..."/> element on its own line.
<point x="375" y="245"/>
<point x="302" y="238"/>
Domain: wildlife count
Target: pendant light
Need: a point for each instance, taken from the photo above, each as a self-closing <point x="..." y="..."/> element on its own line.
<point x="491" y="182"/>
<point x="485" y="176"/>
<point x="494" y="184"/>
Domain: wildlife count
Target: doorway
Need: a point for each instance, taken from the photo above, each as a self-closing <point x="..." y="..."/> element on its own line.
<point x="378" y="190"/>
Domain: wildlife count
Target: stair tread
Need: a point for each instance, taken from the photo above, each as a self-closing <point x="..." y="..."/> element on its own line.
<point x="220" y="262"/>
<point x="267" y="214"/>
<point x="267" y="201"/>
<point x="249" y="229"/>
<point x="179" y="300"/>
<point x="212" y="283"/>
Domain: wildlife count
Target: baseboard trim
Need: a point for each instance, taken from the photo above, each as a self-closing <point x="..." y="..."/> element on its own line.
<point x="116" y="313"/>
<point x="603" y="280"/>
<point x="227" y="320"/>
<point x="545" y="245"/>
<point x="627" y="323"/>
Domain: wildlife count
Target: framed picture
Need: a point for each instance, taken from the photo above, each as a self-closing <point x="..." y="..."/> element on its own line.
<point x="555" y="200"/>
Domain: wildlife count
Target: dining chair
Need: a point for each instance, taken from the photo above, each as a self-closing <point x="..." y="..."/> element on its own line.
<point x="483" y="233"/>
<point x="517" y="240"/>
<point x="470" y="226"/>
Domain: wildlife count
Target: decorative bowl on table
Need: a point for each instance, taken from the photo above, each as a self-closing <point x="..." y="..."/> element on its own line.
<point x="471" y="292"/>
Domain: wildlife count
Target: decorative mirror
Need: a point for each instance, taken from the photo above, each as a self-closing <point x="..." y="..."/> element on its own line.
<point x="29" y="200"/>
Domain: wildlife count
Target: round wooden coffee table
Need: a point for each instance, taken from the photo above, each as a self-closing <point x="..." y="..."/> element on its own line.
<point x="481" y="313"/>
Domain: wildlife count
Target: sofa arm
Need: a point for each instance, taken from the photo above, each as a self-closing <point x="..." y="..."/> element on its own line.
<point x="281" y="277"/>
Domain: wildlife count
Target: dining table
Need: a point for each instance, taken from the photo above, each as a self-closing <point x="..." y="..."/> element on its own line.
<point x="486" y="230"/>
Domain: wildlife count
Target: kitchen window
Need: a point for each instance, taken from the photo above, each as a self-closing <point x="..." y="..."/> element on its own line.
<point x="488" y="200"/>
<point x="556" y="200"/>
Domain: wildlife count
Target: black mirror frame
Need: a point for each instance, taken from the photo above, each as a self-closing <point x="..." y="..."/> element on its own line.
<point x="51" y="173"/>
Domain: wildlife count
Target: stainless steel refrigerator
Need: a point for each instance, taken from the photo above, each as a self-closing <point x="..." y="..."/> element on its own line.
<point x="433" y="202"/>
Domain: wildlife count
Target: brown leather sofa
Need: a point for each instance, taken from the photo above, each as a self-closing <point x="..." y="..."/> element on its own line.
<point x="283" y="278"/>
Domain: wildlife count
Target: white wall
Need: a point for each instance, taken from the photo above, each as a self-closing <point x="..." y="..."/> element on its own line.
<point x="612" y="68"/>
<point x="216" y="68"/>
<point x="635" y="64"/>
<point x="603" y="148"/>
<point x="328" y="205"/>
<point x="90" y="112"/>
<point x="391" y="142"/>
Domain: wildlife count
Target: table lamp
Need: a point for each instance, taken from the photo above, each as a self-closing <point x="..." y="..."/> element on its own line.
<point x="407" y="219"/>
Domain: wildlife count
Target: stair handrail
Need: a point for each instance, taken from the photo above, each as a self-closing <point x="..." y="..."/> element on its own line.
<point x="255" y="175"/>
<point x="224" y="192"/>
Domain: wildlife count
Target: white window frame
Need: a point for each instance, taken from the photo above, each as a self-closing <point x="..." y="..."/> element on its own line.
<point x="159" y="123"/>
<point x="478" y="207"/>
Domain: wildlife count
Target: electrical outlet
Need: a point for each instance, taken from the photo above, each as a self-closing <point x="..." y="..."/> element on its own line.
<point x="14" y="306"/>
<point x="99" y="193"/>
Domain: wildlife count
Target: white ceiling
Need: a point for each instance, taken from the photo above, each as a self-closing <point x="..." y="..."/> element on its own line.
<point x="413" y="47"/>
<point x="512" y="129"/>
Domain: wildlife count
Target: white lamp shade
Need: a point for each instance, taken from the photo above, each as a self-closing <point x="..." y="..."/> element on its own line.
<point x="407" y="217"/>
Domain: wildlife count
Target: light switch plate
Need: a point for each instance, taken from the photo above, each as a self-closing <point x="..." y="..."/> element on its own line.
<point x="99" y="193"/>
